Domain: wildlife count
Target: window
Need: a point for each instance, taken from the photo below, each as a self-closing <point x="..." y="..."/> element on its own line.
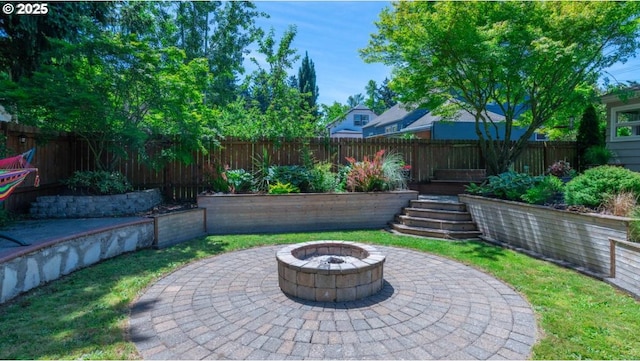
<point x="360" y="119"/>
<point x="625" y="122"/>
<point x="391" y="128"/>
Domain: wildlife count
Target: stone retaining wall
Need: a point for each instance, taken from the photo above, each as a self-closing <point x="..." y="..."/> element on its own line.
<point x="47" y="262"/>
<point x="95" y="206"/>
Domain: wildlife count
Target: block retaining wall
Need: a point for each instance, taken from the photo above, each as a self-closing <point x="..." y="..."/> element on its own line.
<point x="580" y="241"/>
<point x="302" y="212"/>
<point x="45" y="262"/>
<point x="177" y="227"/>
<point x="95" y="206"/>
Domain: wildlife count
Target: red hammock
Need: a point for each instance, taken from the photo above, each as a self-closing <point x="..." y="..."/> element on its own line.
<point x="13" y="172"/>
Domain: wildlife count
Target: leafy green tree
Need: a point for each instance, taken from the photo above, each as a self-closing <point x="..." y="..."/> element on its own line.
<point x="332" y="112"/>
<point x="271" y="107"/>
<point x="119" y="95"/>
<point x="307" y="83"/>
<point x="530" y="56"/>
<point x="25" y="39"/>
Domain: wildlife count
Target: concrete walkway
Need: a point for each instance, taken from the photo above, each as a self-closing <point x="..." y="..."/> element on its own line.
<point x="230" y="307"/>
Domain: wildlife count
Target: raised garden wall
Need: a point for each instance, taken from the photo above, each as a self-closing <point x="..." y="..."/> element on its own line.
<point x="584" y="241"/>
<point x="45" y="262"/>
<point x="301" y="212"/>
<point x="95" y="206"/>
<point x="177" y="227"/>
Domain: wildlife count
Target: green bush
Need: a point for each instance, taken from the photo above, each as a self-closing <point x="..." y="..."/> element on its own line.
<point x="596" y="184"/>
<point x="597" y="155"/>
<point x="321" y="178"/>
<point x="240" y="180"/>
<point x="545" y="191"/>
<point x="283" y="188"/>
<point x="296" y="175"/>
<point x="98" y="182"/>
<point x="509" y="185"/>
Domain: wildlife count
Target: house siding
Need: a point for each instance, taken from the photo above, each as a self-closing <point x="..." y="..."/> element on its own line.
<point x="627" y="152"/>
<point x="346" y="128"/>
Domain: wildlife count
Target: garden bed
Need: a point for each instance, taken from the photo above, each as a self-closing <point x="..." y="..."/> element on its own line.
<point x="301" y="212"/>
<point x="585" y="241"/>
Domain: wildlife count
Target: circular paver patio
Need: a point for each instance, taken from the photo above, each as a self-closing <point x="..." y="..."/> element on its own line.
<point x="230" y="306"/>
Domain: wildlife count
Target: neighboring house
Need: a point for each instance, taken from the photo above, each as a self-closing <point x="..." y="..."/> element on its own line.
<point x="623" y="127"/>
<point x="393" y="121"/>
<point x="423" y="124"/>
<point x="350" y="125"/>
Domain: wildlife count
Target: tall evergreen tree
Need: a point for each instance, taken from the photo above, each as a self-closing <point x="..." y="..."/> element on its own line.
<point x="379" y="98"/>
<point x="589" y="132"/>
<point x="307" y="82"/>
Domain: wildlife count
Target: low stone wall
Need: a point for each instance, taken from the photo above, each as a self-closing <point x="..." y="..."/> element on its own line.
<point x="581" y="241"/>
<point x="46" y="262"/>
<point x="177" y="227"/>
<point x="95" y="206"/>
<point x="302" y="212"/>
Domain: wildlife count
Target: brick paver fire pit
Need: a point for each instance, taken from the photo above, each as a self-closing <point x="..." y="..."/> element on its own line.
<point x="330" y="271"/>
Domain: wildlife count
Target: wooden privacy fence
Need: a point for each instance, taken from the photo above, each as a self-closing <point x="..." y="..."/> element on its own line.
<point x="183" y="182"/>
<point x="59" y="156"/>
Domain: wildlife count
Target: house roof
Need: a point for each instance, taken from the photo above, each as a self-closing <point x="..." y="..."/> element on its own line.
<point x="396" y="113"/>
<point x="427" y="120"/>
<point x="617" y="95"/>
<point x="421" y="118"/>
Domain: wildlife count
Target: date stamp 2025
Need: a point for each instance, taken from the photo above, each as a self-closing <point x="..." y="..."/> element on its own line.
<point x="25" y="8"/>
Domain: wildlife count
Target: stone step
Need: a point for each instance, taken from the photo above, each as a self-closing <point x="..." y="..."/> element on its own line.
<point x="436" y="223"/>
<point x="438" y="205"/>
<point x="437" y="214"/>
<point x="435" y="233"/>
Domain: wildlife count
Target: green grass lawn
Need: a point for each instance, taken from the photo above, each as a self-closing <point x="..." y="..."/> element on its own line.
<point x="84" y="315"/>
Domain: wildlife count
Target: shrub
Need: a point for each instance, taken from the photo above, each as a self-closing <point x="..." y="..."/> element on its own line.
<point x="98" y="182"/>
<point x="385" y="171"/>
<point x="240" y="180"/>
<point x="321" y="178"/>
<point x="216" y="178"/>
<point x="297" y="175"/>
<point x="509" y="185"/>
<point x="593" y="186"/>
<point x="561" y="169"/>
<point x="544" y="191"/>
<point x="341" y="179"/>
<point x="367" y="175"/>
<point x="597" y="155"/>
<point x="283" y="188"/>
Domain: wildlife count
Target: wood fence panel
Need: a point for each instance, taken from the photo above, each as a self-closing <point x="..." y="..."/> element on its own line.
<point x="58" y="158"/>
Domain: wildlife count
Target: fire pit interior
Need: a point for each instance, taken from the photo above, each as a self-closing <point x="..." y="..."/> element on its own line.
<point x="330" y="271"/>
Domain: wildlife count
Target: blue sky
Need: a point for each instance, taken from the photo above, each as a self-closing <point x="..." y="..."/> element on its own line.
<point x="332" y="32"/>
